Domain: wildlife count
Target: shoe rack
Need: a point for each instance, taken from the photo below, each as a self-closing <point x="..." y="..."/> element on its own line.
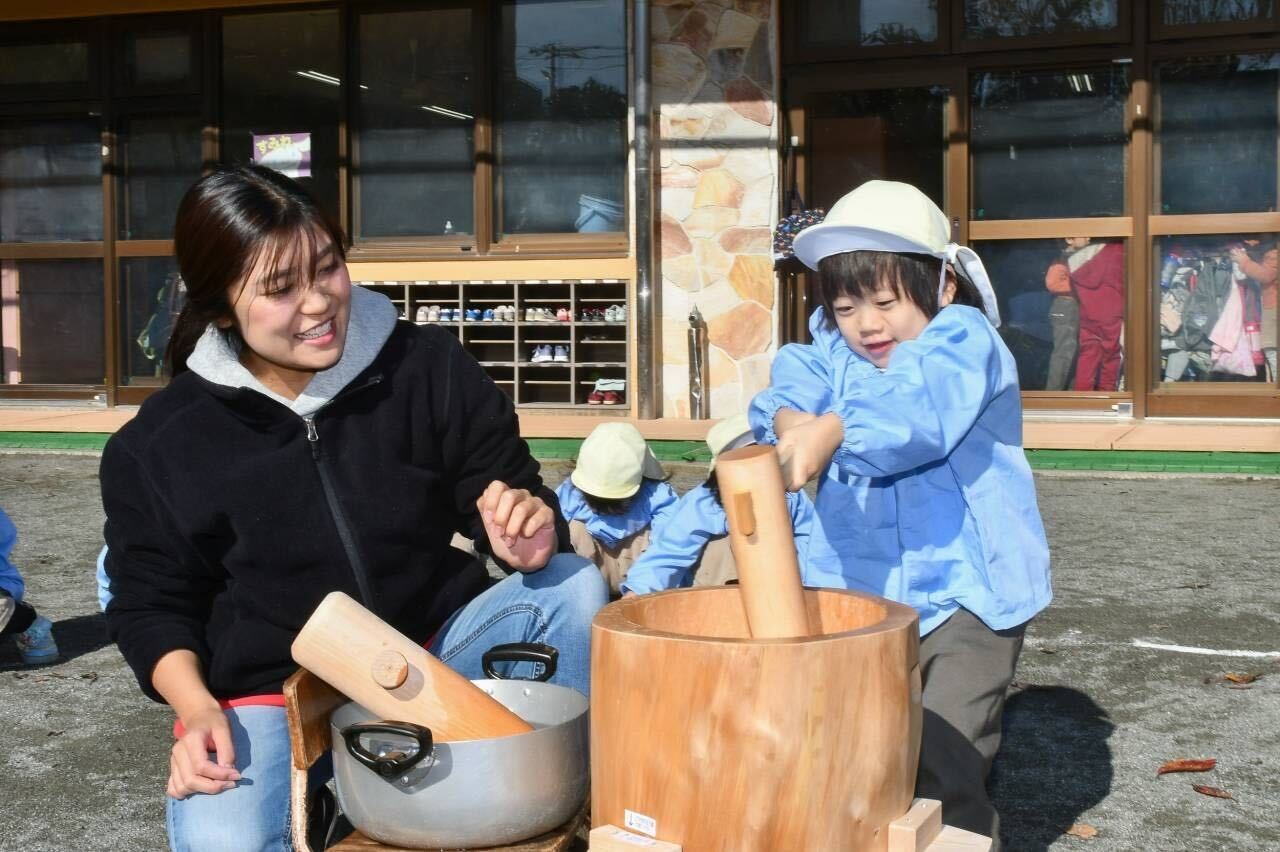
<point x="597" y="349"/>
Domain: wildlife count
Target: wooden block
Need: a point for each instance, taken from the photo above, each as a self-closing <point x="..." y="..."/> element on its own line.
<point x="917" y="828"/>
<point x="610" y="838"/>
<point x="952" y="839"/>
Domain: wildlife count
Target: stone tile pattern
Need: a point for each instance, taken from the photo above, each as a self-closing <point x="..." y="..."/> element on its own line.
<point x="715" y="91"/>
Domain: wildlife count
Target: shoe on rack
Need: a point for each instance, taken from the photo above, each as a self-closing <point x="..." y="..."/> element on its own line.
<point x="488" y="315"/>
<point x="421" y="315"/>
<point x="471" y="314"/>
<point x="529" y="314"/>
<point x="595" y="398"/>
<point x="612" y="398"/>
<point x="433" y="313"/>
<point x="36" y="644"/>
<point x="541" y="354"/>
<point x="562" y="315"/>
<point x="561" y="354"/>
<point x="620" y="313"/>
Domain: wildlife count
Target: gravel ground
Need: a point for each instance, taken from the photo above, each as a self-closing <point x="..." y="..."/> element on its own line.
<point x="1170" y="561"/>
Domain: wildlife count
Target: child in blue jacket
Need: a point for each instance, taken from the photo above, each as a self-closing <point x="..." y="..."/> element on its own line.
<point x="615" y="499"/>
<point x="907" y="406"/>
<point x="31" y="632"/>
<point x="692" y="548"/>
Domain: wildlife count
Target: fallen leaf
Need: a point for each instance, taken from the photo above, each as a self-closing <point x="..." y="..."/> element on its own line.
<point x="1216" y="792"/>
<point x="92" y="677"/>
<point x="1235" y="677"/>
<point x="55" y="733"/>
<point x="1048" y="650"/>
<point x="1083" y="829"/>
<point x="1187" y="765"/>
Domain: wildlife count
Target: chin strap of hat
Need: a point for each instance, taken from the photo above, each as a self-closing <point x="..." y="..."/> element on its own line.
<point x="969" y="262"/>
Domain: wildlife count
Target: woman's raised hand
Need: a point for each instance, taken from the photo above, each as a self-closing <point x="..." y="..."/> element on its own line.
<point x="521" y="527"/>
<point x="190" y="769"/>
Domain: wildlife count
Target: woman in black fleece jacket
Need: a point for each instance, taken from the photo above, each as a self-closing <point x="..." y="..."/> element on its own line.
<point x="310" y="442"/>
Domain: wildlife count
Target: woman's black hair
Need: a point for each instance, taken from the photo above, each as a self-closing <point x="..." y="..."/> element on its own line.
<point x="226" y="222"/>
<point x="857" y="274"/>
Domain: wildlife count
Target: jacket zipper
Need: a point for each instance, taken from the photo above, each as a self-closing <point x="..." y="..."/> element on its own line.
<point x="331" y="497"/>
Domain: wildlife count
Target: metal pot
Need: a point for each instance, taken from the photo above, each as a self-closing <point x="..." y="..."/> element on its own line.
<point x="398" y="787"/>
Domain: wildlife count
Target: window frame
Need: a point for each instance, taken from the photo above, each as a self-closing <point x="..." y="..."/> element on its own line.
<point x="795" y="49"/>
<point x="485" y="177"/>
<point x="1165" y="32"/>
<point x="1121" y="35"/>
<point x="88" y="30"/>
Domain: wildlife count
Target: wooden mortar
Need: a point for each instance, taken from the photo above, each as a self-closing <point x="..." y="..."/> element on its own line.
<point x="734" y="744"/>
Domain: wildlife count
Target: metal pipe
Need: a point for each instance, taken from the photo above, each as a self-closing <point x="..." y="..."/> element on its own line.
<point x="647" y="389"/>
<point x="699" y="372"/>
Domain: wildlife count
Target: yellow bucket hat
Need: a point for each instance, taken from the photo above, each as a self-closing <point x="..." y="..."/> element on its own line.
<point x="613" y="461"/>
<point x="730" y="433"/>
<point x="885" y="215"/>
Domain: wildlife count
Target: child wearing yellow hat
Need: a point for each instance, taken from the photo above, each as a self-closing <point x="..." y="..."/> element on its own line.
<point x="615" y="499"/>
<point x="692" y="548"/>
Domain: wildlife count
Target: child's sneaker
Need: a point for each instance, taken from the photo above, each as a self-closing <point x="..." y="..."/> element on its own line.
<point x="36" y="644"/>
<point x="560" y="353"/>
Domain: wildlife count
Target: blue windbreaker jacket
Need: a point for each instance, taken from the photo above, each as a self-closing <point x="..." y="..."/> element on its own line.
<point x="930" y="500"/>
<point x="697" y="519"/>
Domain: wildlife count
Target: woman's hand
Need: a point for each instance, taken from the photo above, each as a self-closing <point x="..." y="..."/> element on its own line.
<point x="805" y="448"/>
<point x="190" y="769"/>
<point x="520" y="526"/>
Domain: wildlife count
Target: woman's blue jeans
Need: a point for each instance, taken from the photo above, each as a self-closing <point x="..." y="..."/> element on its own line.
<point x="554" y="605"/>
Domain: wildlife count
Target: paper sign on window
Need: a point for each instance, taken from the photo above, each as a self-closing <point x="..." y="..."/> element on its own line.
<point x="287" y="153"/>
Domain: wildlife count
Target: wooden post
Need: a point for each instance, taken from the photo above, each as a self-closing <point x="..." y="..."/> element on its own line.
<point x="763" y="543"/>
<point x="365" y="658"/>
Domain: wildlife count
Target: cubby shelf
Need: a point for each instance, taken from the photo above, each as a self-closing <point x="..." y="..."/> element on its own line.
<point x="504" y="347"/>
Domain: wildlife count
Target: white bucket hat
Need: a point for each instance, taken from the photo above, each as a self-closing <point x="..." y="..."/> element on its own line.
<point x="731" y="433"/>
<point x="613" y="461"/>
<point x="884" y="215"/>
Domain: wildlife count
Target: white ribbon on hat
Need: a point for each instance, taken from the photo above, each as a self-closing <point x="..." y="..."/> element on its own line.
<point x="968" y="261"/>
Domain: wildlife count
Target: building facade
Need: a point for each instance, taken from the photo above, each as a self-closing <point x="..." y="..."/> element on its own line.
<point x="1114" y="162"/>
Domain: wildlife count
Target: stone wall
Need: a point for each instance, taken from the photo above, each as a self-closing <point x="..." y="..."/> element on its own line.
<point x="715" y="88"/>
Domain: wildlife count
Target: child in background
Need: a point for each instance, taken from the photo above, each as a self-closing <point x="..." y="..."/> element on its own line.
<point x="615" y="499"/>
<point x="32" y="632"/>
<point x="907" y="405"/>
<point x="692" y="548"/>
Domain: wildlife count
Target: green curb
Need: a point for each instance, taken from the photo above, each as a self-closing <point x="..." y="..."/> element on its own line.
<point x="53" y="440"/>
<point x="548" y="449"/>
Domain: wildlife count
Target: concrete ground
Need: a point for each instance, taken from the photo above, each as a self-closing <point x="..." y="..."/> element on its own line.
<point x="1166" y="561"/>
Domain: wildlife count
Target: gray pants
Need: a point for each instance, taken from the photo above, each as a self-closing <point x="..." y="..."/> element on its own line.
<point x="1064" y="317"/>
<point x="966" y="667"/>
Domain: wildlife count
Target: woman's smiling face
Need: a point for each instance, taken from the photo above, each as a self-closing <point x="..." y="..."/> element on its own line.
<point x="293" y="325"/>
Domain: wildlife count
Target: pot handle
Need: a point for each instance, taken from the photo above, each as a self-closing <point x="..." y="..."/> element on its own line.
<point x="521" y="652"/>
<point x="395" y="763"/>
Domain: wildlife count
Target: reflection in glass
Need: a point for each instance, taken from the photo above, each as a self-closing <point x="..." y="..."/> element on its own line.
<point x="1062" y="305"/>
<point x="278" y="77"/>
<point x="984" y="19"/>
<point x="1214" y="11"/>
<point x="51" y="322"/>
<point x="45" y="64"/>
<point x="417" y="124"/>
<point x="886" y="134"/>
<point x="1216" y="134"/>
<point x="158" y="58"/>
<point x="872" y="23"/>
<point x="151" y="294"/>
<point x="160" y="159"/>
<point x="1215" y="303"/>
<point x="561" y="130"/>
<point x="1048" y="144"/>
<point x="50" y="180"/>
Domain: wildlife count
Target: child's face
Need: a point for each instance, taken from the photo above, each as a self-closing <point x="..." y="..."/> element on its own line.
<point x="873" y="327"/>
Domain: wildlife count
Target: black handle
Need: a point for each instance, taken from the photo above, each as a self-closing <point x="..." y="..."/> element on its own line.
<point x="521" y="652"/>
<point x="397" y="762"/>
